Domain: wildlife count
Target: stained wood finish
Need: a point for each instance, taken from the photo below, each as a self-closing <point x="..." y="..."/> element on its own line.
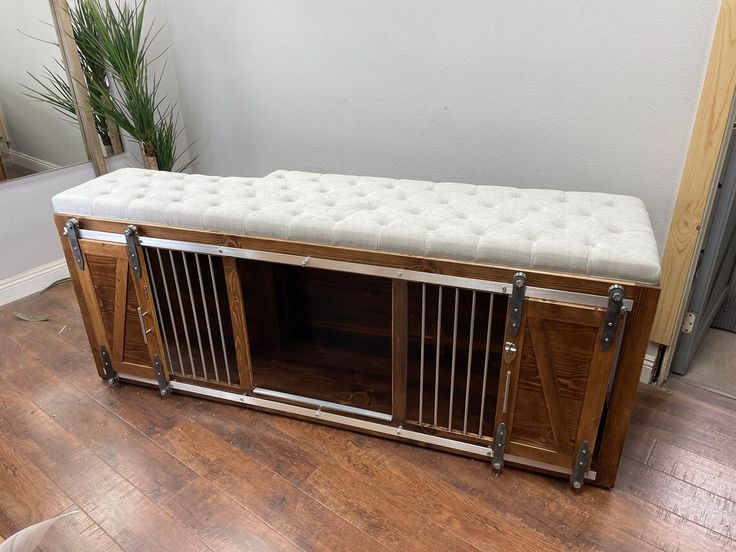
<point x="572" y="419"/>
<point x="621" y="400"/>
<point x="709" y="135"/>
<point x="112" y="297"/>
<point x="558" y="381"/>
<point x="198" y="475"/>
<point x="237" y="314"/>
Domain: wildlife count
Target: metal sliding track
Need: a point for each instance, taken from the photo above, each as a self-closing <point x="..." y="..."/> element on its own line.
<point x="358" y="268"/>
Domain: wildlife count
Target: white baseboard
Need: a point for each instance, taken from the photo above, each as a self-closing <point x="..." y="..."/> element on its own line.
<point x="32" y="281"/>
<point x="650" y="361"/>
<point x="29" y="162"/>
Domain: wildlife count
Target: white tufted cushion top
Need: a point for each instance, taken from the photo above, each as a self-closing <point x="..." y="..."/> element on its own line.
<point x="574" y="232"/>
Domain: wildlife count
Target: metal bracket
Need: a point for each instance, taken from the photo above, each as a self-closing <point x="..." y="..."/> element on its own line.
<point x="499" y="444"/>
<point x="578" y="470"/>
<point x="517" y="303"/>
<point x="110" y="376"/>
<point x="688" y="322"/>
<point x="71" y="231"/>
<point x="131" y="240"/>
<point x="164" y="387"/>
<point x="615" y="307"/>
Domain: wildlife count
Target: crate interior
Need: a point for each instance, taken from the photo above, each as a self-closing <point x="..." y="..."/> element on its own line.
<point x="464" y="340"/>
<point x="319" y="334"/>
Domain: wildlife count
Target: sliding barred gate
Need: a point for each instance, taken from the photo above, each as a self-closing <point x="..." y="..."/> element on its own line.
<point x="455" y="338"/>
<point x="190" y="294"/>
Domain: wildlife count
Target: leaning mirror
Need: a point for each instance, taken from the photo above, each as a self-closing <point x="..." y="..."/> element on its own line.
<point x="39" y="125"/>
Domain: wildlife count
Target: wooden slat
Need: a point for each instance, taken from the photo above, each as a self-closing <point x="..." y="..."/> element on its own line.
<point x="548" y="377"/>
<point x="595" y="392"/>
<point x="706" y="142"/>
<point x="400" y="318"/>
<point x="237" y="314"/>
<point x="68" y="47"/>
<point x="121" y="305"/>
<point x="623" y="392"/>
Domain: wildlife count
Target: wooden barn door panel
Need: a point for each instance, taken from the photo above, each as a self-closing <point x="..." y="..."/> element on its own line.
<point x="558" y="381"/>
<point x="112" y="303"/>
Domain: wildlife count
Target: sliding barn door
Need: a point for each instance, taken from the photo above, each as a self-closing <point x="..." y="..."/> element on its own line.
<point x="118" y="309"/>
<point x="553" y="383"/>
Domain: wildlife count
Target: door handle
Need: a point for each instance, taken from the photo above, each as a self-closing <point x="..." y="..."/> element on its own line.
<point x="509" y="352"/>
<point x="144" y="331"/>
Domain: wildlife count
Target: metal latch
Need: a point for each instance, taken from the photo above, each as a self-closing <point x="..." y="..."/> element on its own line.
<point x="499" y="443"/>
<point x="615" y="306"/>
<point x="71" y="231"/>
<point x="578" y="470"/>
<point x="517" y="303"/>
<point x="110" y="376"/>
<point x="132" y="241"/>
<point x="164" y="387"/>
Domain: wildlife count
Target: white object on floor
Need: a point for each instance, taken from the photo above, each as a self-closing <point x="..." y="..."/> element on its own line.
<point x="29" y="538"/>
<point x="575" y="232"/>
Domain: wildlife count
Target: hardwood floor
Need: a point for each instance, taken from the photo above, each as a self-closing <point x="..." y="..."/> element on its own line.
<point x="185" y="474"/>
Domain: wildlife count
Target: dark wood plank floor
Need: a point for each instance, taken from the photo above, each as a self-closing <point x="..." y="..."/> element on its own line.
<point x="184" y="474"/>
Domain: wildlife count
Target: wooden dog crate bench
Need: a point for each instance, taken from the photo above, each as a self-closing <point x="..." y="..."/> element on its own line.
<point x="489" y="321"/>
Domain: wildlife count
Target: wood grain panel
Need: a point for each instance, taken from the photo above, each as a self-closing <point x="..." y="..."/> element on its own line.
<point x="237" y="314"/>
<point x="706" y="142"/>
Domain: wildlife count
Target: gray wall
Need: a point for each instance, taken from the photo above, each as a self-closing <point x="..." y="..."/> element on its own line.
<point x="563" y="94"/>
<point x="27" y="234"/>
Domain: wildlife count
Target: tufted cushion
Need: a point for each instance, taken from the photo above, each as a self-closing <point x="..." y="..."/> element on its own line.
<point x="574" y="232"/>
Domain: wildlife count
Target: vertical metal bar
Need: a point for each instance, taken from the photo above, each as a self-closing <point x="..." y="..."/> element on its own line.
<point x="219" y="318"/>
<point x="437" y="356"/>
<point x="157" y="303"/>
<point x="485" y="366"/>
<point x="470" y="362"/>
<point x="171" y="312"/>
<point x="452" y="364"/>
<point x="506" y="392"/>
<point x="194" y="313"/>
<point x="207" y="316"/>
<point x="421" y="353"/>
<point x="183" y="316"/>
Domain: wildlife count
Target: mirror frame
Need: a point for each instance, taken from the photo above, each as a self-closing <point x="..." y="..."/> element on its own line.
<point x="68" y="47"/>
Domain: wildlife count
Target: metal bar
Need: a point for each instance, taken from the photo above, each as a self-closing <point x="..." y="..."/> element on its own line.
<point x="280" y="395"/>
<point x="157" y="305"/>
<point x="207" y="316"/>
<point x="355" y="423"/>
<point x="358" y="268"/>
<point x="171" y="312"/>
<point x="507" y="386"/>
<point x="437" y="356"/>
<point x="219" y="319"/>
<point x="194" y="314"/>
<point x="485" y="366"/>
<point x="421" y="353"/>
<point x="470" y="362"/>
<point x="183" y="316"/>
<point x="143" y="324"/>
<point x="452" y="363"/>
